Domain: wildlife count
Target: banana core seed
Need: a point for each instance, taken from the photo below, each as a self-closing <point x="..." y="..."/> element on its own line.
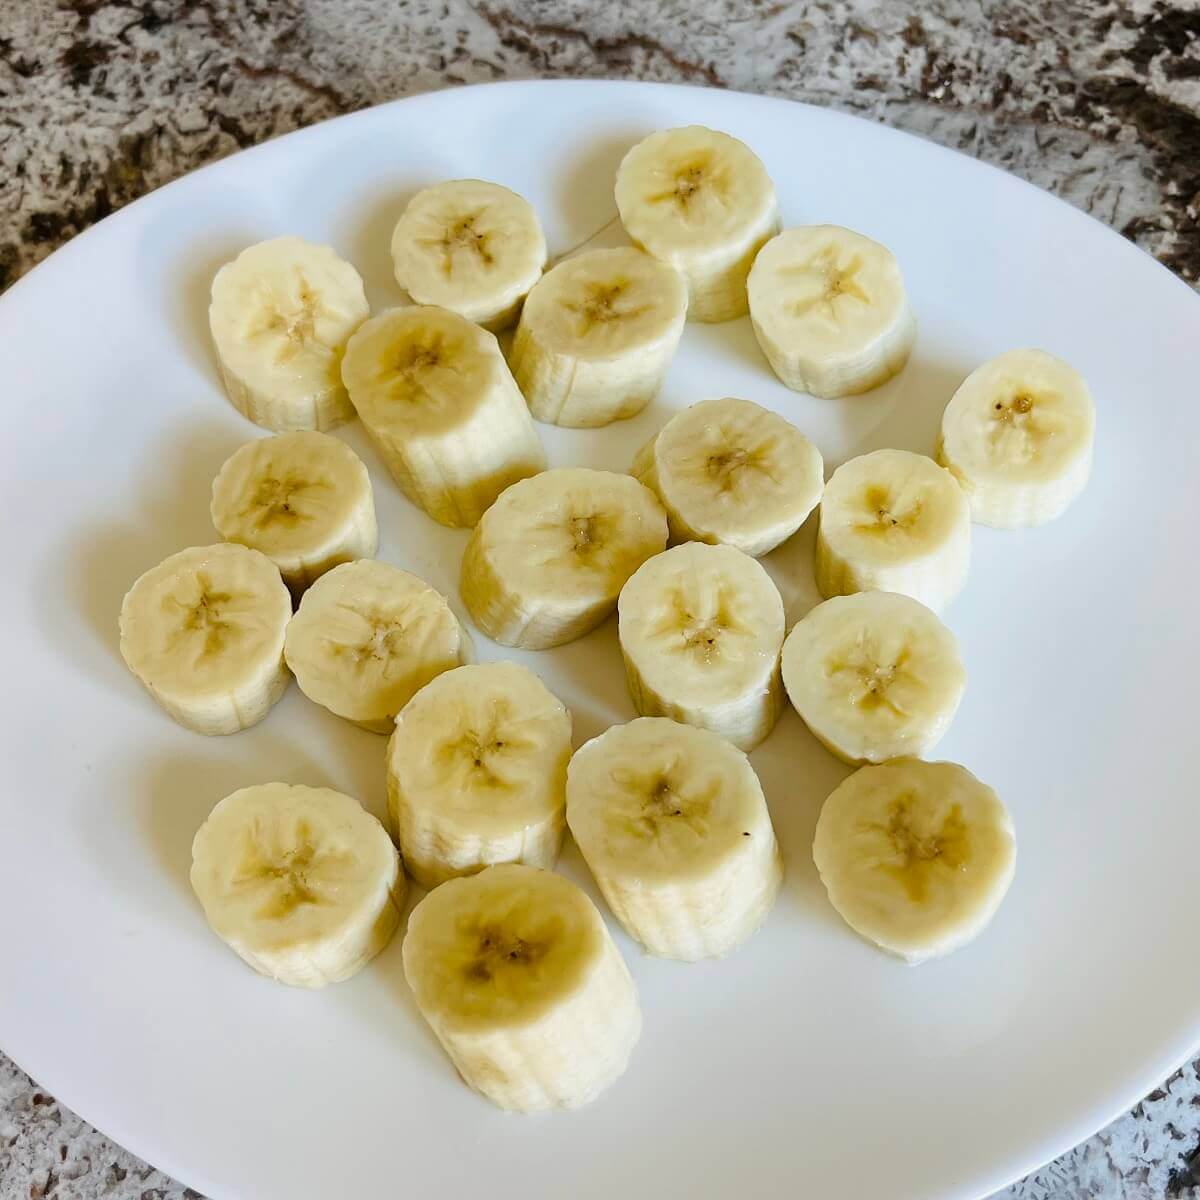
<point x="947" y="849"/>
<point x="463" y="235"/>
<point x="498" y="948"/>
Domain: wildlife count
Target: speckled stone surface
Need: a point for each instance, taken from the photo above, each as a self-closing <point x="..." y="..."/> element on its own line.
<point x="103" y="100"/>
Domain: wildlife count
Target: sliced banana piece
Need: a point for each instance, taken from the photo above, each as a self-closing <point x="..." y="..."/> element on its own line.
<point x="367" y="636"/>
<point x="701" y="628"/>
<point x="915" y="856"/>
<point x="476" y="772"/>
<point x="437" y="399"/>
<point x="596" y="337"/>
<point x="732" y="473"/>
<point x="673" y="825"/>
<point x="874" y="676"/>
<point x="204" y="633"/>
<point x="1017" y="435"/>
<point x="472" y="247"/>
<point x="703" y="202"/>
<point x="517" y="974"/>
<point x="830" y="311"/>
<point x="547" y="561"/>
<point x="301" y="882"/>
<point x="280" y="317"/>
<point x="894" y="521"/>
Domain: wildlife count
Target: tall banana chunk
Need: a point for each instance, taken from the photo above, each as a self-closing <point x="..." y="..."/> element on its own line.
<point x="703" y="202"/>
<point x="517" y="974"/>
<point x="701" y="628"/>
<point x="301" y="882"/>
<point x="204" y="633"/>
<point x="367" y="636"/>
<point x="280" y="317"/>
<point x="673" y="825"/>
<point x="829" y="310"/>
<point x="596" y="337"/>
<point x="303" y="499"/>
<point x="472" y="247"/>
<point x="476" y="772"/>
<point x="547" y="561"/>
<point x="894" y="521"/>
<point x="874" y="676"/>
<point x="437" y="399"/>
<point x="915" y="856"/>
<point x="731" y="473"/>
<point x="1018" y="436"/>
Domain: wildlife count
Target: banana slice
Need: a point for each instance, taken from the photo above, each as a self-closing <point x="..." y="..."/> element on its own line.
<point x="472" y="247"/>
<point x="701" y="628"/>
<point x="673" y="825"/>
<point x="894" y="521"/>
<point x="204" y="633"/>
<point x="731" y="473"/>
<point x="301" y="882"/>
<point x="874" y="676"/>
<point x="915" y="856"/>
<point x="367" y="636"/>
<point x="829" y="310"/>
<point x="302" y="499"/>
<point x="476" y="772"/>
<point x="516" y="973"/>
<point x="596" y="337"/>
<point x="280" y="317"/>
<point x="703" y="202"/>
<point x="437" y="399"/>
<point x="547" y="561"/>
<point x="1017" y="435"/>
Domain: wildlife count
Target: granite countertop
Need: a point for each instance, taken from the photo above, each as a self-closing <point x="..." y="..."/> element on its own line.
<point x="103" y="100"/>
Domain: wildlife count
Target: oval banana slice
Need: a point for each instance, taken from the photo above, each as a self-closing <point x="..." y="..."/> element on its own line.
<point x="204" y="632"/>
<point x="301" y="882"/>
<point x="673" y="824"/>
<point x="519" y="978"/>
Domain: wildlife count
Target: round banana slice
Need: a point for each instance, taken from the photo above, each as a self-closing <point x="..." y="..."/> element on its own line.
<point x="915" y="856"/>
<point x="701" y="628"/>
<point x="703" y="202"/>
<point x="301" y="882"/>
<point x="437" y="399"/>
<point x="547" y="561"/>
<point x="829" y="310"/>
<point x="731" y="473"/>
<point x="517" y="974"/>
<point x="472" y="247"/>
<point x="302" y="499"/>
<point x="673" y="825"/>
<point x="874" y="676"/>
<point x="367" y="636"/>
<point x="204" y="633"/>
<point x="476" y="772"/>
<point x="1017" y="435"/>
<point x="280" y="317"/>
<point x="894" y="521"/>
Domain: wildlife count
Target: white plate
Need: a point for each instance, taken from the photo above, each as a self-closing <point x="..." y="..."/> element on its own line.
<point x="807" y="1064"/>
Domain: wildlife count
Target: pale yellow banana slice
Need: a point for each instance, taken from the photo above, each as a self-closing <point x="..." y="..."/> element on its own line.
<point x="547" y="561"/>
<point x="517" y="974"/>
<point x="476" y="772"/>
<point x="673" y="825"/>
<point x="703" y="202"/>
<point x="915" y="856"/>
<point x="701" y="628"/>
<point x="437" y="399"/>
<point x="830" y="311"/>
<point x="204" y="633"/>
<point x="472" y="247"/>
<point x="732" y="473"/>
<point x="280" y="317"/>
<point x="1017" y="435"/>
<point x="301" y="882"/>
